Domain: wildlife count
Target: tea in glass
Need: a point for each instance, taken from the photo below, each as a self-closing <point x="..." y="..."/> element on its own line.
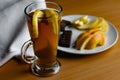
<point x="43" y="25"/>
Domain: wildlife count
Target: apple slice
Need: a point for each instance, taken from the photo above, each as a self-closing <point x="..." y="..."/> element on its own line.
<point x="104" y="27"/>
<point x="83" y="39"/>
<point x="90" y="39"/>
<point x="98" y="39"/>
<point x="37" y="14"/>
<point x="53" y="17"/>
<point x="80" y="40"/>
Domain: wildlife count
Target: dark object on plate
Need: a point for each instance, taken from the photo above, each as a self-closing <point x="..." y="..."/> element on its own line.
<point x="63" y="24"/>
<point x="65" y="38"/>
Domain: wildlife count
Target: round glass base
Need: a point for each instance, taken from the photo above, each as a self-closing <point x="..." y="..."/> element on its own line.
<point x="48" y="71"/>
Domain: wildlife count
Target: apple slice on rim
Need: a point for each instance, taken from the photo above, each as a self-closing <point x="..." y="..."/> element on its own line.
<point x="53" y="18"/>
<point x="37" y="14"/>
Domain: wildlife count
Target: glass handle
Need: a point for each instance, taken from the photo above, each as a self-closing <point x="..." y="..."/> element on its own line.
<point x="27" y="58"/>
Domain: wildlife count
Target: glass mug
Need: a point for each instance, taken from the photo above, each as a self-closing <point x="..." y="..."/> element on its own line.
<point x="44" y="37"/>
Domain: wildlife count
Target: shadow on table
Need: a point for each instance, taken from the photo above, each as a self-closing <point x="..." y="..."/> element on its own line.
<point x="66" y="55"/>
<point x="62" y="54"/>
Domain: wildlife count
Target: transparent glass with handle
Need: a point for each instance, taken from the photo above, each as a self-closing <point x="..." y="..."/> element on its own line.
<point x="43" y="26"/>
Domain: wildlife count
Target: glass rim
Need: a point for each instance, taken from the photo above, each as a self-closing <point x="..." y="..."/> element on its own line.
<point x="59" y="11"/>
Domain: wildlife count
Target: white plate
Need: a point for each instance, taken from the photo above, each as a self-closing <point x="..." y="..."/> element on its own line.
<point x="112" y="37"/>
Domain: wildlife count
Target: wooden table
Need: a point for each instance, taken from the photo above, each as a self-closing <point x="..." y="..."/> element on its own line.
<point x="102" y="66"/>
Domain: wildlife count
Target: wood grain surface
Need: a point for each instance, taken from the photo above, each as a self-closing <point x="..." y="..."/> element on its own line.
<point x="101" y="66"/>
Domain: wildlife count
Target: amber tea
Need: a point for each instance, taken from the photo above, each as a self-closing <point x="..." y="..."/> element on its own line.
<point x="43" y="24"/>
<point x="45" y="44"/>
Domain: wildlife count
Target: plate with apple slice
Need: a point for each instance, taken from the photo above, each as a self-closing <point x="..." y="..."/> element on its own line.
<point x="111" y="37"/>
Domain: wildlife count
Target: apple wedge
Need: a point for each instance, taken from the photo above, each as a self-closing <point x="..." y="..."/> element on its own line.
<point x="90" y="39"/>
<point x="53" y="17"/>
<point x="98" y="39"/>
<point x="83" y="39"/>
<point x="36" y="15"/>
